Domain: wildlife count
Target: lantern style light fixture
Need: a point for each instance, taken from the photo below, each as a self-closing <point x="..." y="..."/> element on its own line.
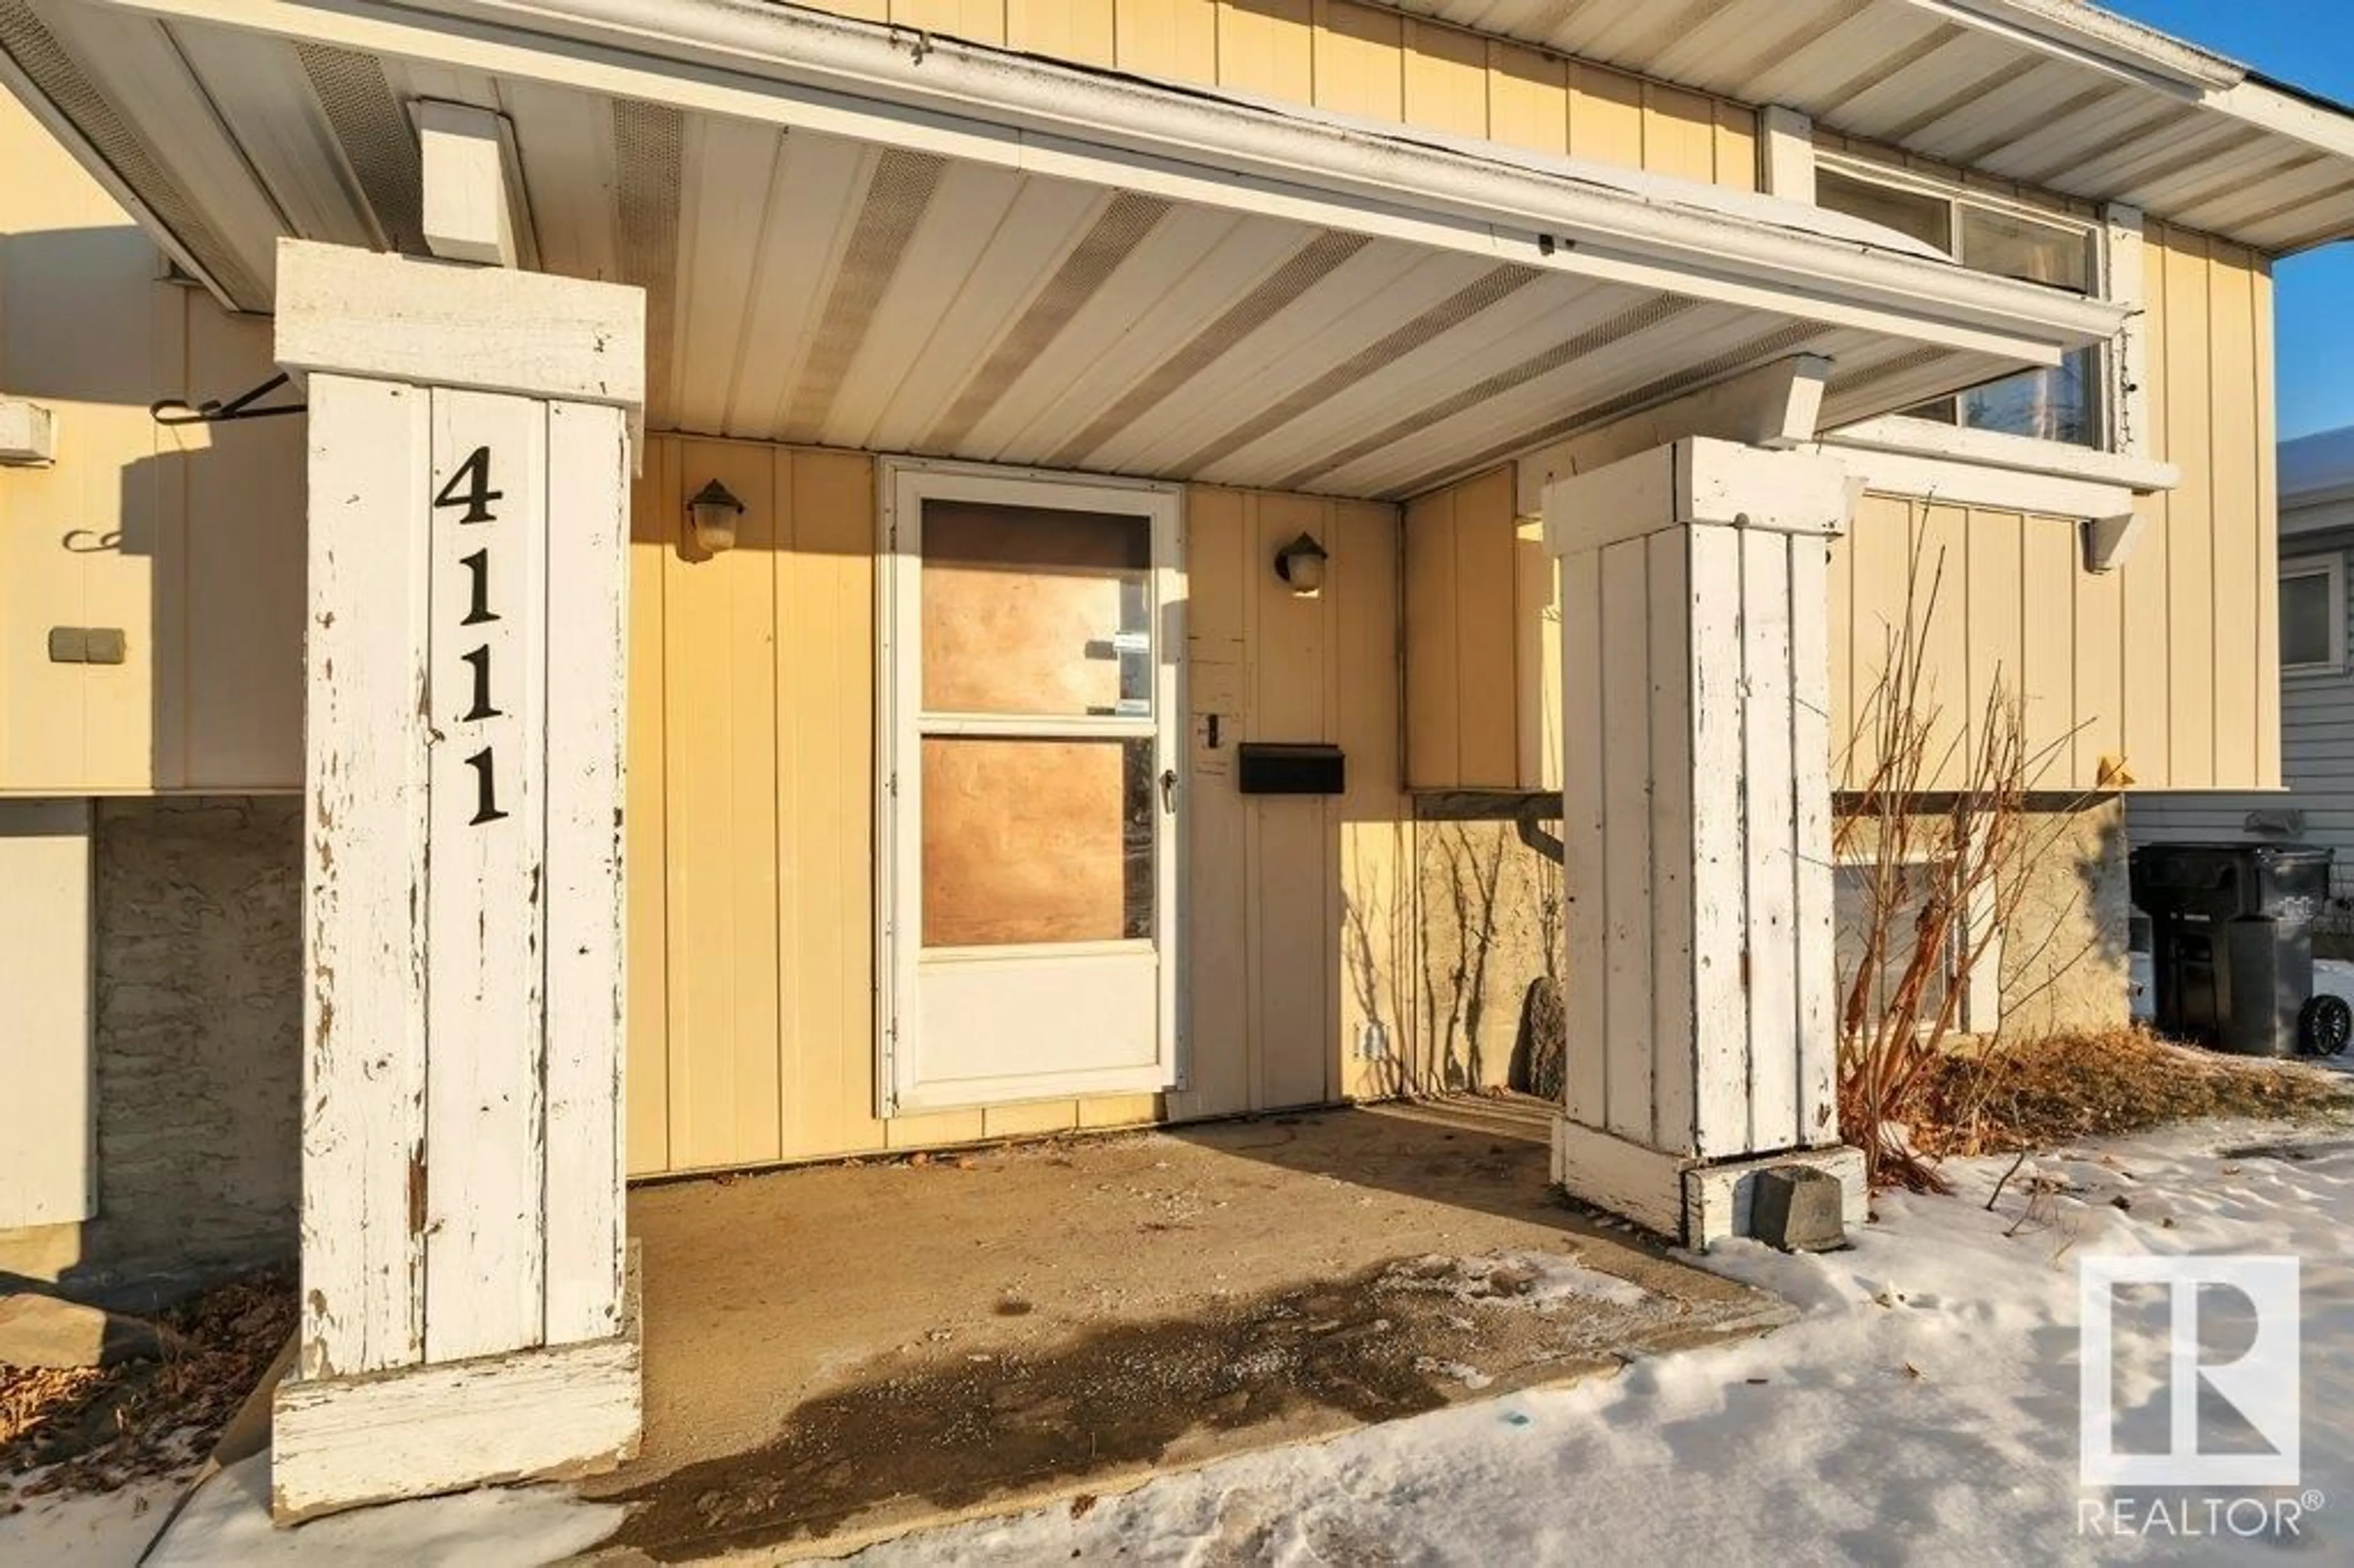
<point x="1301" y="564"/>
<point x="713" y="515"/>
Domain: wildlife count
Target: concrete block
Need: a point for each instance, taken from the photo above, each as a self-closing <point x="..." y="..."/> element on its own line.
<point x="1797" y="1209"/>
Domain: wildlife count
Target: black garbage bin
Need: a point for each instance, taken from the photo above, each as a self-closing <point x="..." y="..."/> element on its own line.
<point x="2231" y="945"/>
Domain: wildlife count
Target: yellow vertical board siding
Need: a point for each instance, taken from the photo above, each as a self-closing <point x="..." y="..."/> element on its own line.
<point x="1445" y="80"/>
<point x="1474" y="640"/>
<point x="1606" y="115"/>
<point x="1528" y="98"/>
<point x="980" y="21"/>
<point x="1217" y="894"/>
<point x="1360" y="61"/>
<point x="1371" y="62"/>
<point x="2189" y="520"/>
<point x="1079" y="30"/>
<point x="1176" y="39"/>
<point x="1292" y="980"/>
<point x="189" y="539"/>
<point x="2267" y="771"/>
<point x="1536" y="652"/>
<point x="751" y="810"/>
<point x="2236" y="496"/>
<point x="1269" y="47"/>
<point x="1487" y="644"/>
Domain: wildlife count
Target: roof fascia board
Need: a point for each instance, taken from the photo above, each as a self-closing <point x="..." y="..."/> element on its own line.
<point x="864" y="80"/>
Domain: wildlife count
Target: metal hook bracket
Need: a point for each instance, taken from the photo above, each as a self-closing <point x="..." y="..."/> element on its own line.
<point x="213" y="411"/>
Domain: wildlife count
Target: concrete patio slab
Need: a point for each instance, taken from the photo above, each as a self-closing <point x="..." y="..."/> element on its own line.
<point x="837" y="1354"/>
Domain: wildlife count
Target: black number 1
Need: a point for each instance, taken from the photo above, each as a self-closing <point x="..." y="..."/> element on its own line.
<point x="479" y="660"/>
<point x="478" y="571"/>
<point x="486" y="788"/>
<point x="475" y="473"/>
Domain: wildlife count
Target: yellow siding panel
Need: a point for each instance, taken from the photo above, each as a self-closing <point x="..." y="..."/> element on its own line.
<point x="1606" y="115"/>
<point x="1360" y="66"/>
<point x="2147" y="703"/>
<point x="1486" y="651"/>
<point x="1445" y="80"/>
<point x="2239" y="525"/>
<point x="1176" y="39"/>
<point x="2052" y="583"/>
<point x="1736" y="146"/>
<point x="1217" y="913"/>
<point x="2267" y="774"/>
<point x="1433" y="755"/>
<point x="1371" y="886"/>
<point x="2190" y="518"/>
<point x="1679" y="132"/>
<point x="1528" y="100"/>
<point x="1078" y="31"/>
<point x="980" y="21"/>
<point x="1267" y="46"/>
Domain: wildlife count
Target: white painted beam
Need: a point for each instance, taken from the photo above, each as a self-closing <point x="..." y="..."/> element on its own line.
<point x="1775" y="405"/>
<point x="472" y="191"/>
<point x="1785" y="154"/>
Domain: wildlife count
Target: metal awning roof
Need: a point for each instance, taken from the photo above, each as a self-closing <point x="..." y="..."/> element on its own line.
<point x="965" y="253"/>
<point x="2051" y="93"/>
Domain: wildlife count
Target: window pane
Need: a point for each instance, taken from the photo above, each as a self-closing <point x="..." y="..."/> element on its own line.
<point x="1854" y="897"/>
<point x="1032" y="611"/>
<point x="1037" y="840"/>
<point x="2014" y="246"/>
<point x="2307" y="609"/>
<point x="2058" y="404"/>
<point x="1925" y="218"/>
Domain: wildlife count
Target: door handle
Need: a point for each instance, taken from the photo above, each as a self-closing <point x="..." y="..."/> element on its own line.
<point x="1169" y="790"/>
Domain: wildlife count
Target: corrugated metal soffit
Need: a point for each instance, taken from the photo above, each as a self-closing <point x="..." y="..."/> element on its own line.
<point x="1126" y="218"/>
<point x="648" y="139"/>
<point x="377" y="140"/>
<point x="896" y="196"/>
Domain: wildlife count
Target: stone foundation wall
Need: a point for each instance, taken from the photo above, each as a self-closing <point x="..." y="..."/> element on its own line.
<point x="198" y="945"/>
<point x="2064" y="957"/>
<point x="1488" y="951"/>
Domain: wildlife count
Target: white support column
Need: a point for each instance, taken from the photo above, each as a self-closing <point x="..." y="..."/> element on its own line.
<point x="467" y="1314"/>
<point x="1696" y="672"/>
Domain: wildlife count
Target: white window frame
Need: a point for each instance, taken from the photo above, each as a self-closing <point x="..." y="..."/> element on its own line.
<point x="1981" y="1010"/>
<point x="2333" y="567"/>
<point x="1932" y="435"/>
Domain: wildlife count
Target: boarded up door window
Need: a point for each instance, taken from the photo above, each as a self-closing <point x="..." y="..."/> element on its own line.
<point x="1029" y="611"/>
<point x="1037" y="840"/>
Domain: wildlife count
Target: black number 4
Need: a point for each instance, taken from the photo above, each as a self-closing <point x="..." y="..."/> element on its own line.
<point x="475" y="475"/>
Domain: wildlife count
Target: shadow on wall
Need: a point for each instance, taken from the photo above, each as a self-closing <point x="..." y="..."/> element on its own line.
<point x="1485" y="950"/>
<point x="197" y="1036"/>
<point x="2064" y="959"/>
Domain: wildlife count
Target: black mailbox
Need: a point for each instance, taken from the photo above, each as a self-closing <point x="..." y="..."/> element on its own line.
<point x="1282" y="767"/>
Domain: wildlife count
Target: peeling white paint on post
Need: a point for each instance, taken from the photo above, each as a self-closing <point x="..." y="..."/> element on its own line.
<point x="485" y="1137"/>
<point x="1697" y="792"/>
<point x="1584" y="873"/>
<point x="587" y="595"/>
<point x="462" y="1180"/>
<point x="364" y="873"/>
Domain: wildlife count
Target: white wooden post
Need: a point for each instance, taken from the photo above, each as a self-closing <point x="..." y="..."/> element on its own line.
<point x="1696" y="674"/>
<point x="467" y="1314"/>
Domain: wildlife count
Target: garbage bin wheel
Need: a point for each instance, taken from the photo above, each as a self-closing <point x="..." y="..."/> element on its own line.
<point x="2324" y="1025"/>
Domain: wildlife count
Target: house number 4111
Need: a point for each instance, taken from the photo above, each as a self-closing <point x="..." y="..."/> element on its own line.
<point x="470" y="487"/>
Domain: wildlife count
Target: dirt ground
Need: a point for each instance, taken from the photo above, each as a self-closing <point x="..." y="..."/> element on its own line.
<point x="839" y="1353"/>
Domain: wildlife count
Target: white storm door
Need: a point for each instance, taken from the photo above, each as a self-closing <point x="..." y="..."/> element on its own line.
<point x="1030" y="734"/>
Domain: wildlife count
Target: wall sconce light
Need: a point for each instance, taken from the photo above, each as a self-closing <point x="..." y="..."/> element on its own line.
<point x="712" y="514"/>
<point x="1301" y="564"/>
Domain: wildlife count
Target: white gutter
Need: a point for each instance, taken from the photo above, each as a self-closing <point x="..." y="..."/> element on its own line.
<point x="783" y="65"/>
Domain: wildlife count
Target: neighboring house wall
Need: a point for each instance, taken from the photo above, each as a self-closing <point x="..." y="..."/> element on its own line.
<point x="187" y="539"/>
<point x="197" y="1031"/>
<point x="1371" y="62"/>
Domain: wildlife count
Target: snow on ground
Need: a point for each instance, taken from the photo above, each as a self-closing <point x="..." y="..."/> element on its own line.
<point x="1923" y="1408"/>
<point x="228" y="1523"/>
